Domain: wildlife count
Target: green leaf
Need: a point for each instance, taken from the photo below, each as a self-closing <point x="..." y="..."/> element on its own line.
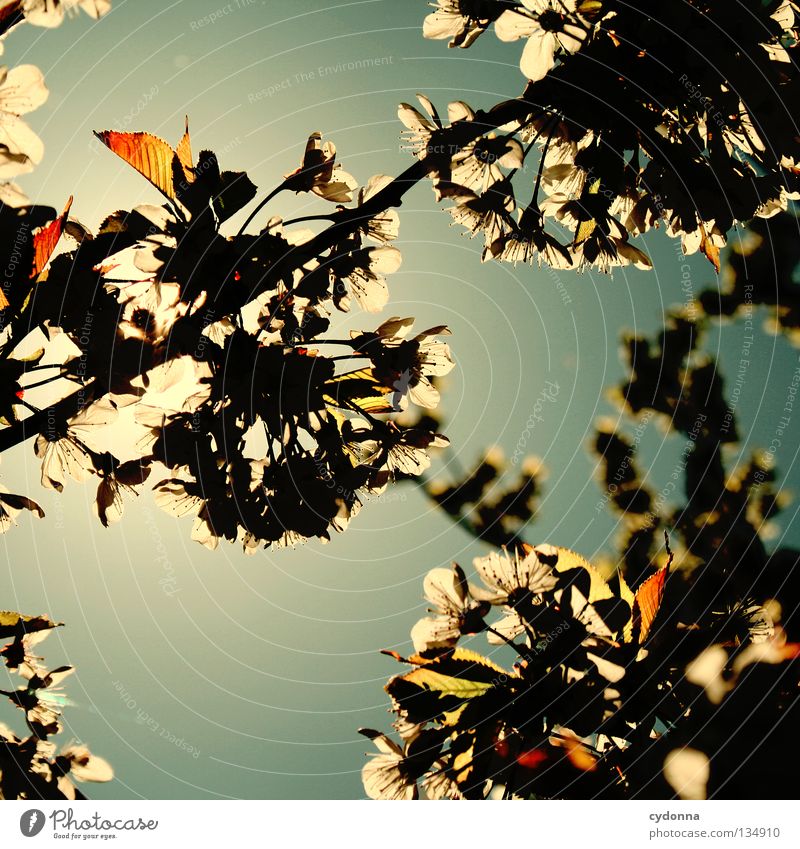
<point x="441" y="685"/>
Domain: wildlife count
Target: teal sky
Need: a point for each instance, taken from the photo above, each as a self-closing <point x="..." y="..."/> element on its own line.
<point x="249" y="676"/>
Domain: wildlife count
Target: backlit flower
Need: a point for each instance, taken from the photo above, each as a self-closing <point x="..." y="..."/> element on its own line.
<point x="549" y="25"/>
<point x="422" y="133"/>
<point x="509" y="577"/>
<point x="320" y="174"/>
<point x="456" y="612"/>
<point x="462" y="21"/>
<point x="50" y="13"/>
<point x="478" y="164"/>
<point x="21" y="91"/>
<point x="384" y="775"/>
<point x="385" y="226"/>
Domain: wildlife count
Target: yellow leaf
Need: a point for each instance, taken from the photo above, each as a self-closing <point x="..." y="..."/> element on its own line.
<point x="586" y="228"/>
<point x="461" y="673"/>
<point x="566" y="560"/>
<point x="360" y="388"/>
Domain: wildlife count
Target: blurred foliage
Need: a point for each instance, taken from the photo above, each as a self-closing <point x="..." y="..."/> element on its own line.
<point x="762" y="270"/>
<point x="493" y="500"/>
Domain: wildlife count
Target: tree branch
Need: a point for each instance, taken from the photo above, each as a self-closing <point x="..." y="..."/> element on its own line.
<point x="24" y="429"/>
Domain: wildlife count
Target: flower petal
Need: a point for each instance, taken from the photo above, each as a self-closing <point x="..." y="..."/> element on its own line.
<point x="538" y="56"/>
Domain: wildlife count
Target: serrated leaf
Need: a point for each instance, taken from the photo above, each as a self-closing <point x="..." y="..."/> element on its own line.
<point x="184" y="151"/>
<point x="152" y="157"/>
<point x="45" y="241"/>
<point x="647" y="602"/>
<point x="461" y="673"/>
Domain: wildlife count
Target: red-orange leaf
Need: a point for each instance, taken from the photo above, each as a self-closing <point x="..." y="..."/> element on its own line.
<point x="45" y="241"/>
<point x="151" y="156"/>
<point x="647" y="602"/>
<point x="184" y="153"/>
